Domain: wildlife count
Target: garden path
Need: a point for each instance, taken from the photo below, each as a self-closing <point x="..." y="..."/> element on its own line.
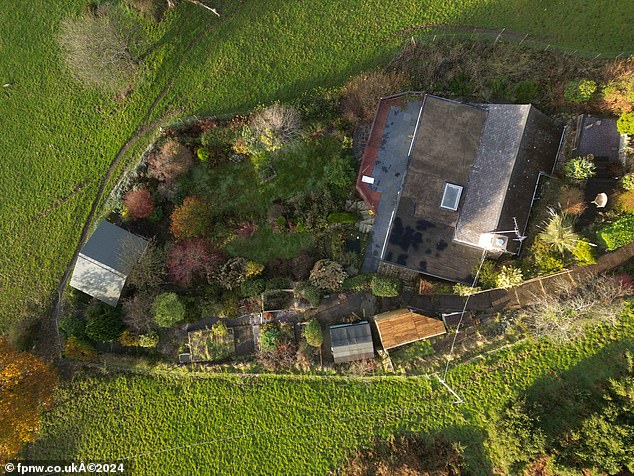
<point x="526" y="294"/>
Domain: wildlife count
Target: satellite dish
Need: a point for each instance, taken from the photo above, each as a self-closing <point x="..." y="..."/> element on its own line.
<point x="601" y="200"/>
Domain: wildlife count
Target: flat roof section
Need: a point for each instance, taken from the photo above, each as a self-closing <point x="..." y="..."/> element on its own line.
<point x="404" y="326"/>
<point x="599" y="137"/>
<point x="392" y="136"/>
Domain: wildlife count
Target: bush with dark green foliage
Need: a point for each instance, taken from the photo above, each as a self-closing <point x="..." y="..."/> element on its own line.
<point x="625" y="124"/>
<point x="168" y="309"/>
<point x="488" y="274"/>
<point x="270" y="336"/>
<point x="617" y="234"/>
<point x="252" y="287"/>
<point x="278" y="282"/>
<point x="461" y="85"/>
<point x="310" y="293"/>
<point x="73" y="326"/>
<point x="541" y="260"/>
<point x="343" y="218"/>
<point x="358" y="283"/>
<point x="526" y="91"/>
<point x="581" y="427"/>
<point x="580" y="90"/>
<point x="605" y="439"/>
<point x="313" y="333"/>
<point x="385" y="286"/>
<point x="340" y="173"/>
<point x="103" y="322"/>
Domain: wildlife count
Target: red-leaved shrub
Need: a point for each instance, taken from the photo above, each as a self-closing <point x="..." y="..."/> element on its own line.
<point x="139" y="203"/>
<point x="190" y="261"/>
<point x="191" y="219"/>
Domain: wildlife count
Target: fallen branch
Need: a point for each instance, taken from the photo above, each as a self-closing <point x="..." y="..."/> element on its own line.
<point x="196" y="2"/>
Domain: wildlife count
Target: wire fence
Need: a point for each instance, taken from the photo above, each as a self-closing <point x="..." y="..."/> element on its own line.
<point x="504" y="35"/>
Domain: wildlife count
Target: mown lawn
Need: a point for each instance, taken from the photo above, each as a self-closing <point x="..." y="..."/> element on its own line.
<point x="58" y="139"/>
<point x="280" y="425"/>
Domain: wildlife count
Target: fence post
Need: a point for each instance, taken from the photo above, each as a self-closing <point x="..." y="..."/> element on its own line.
<point x="498" y="37"/>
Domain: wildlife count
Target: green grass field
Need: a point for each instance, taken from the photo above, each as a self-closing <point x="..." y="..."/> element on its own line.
<point x="58" y="139"/>
<point x="309" y="425"/>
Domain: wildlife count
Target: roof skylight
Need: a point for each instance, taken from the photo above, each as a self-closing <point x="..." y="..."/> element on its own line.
<point x="451" y="197"/>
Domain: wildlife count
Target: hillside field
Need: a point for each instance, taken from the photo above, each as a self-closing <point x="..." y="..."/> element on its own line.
<point x="58" y="138"/>
<point x="309" y="425"/>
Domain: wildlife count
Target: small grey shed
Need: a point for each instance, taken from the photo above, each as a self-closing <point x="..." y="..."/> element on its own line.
<point x="351" y="342"/>
<point x="105" y="261"/>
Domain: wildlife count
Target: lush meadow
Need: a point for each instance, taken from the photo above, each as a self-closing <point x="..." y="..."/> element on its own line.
<point x="308" y="425"/>
<point x="58" y="138"/>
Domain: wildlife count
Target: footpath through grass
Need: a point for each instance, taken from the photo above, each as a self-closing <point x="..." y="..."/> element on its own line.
<point x="285" y="425"/>
<point x="58" y="139"/>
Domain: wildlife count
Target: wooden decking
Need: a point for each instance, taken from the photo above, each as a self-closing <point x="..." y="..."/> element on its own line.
<point x="403" y="326"/>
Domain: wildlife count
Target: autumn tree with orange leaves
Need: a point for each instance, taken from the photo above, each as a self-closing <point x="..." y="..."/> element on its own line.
<point x="27" y="384"/>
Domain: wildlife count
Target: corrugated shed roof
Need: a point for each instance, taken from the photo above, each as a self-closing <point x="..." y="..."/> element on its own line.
<point x="351" y="342"/>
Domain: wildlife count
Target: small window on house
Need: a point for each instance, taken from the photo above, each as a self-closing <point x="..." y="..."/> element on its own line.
<point x="451" y="196"/>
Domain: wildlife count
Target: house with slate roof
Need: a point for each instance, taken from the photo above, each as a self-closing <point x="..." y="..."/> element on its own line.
<point x="467" y="185"/>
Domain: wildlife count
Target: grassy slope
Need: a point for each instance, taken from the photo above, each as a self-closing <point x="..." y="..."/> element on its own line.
<point x="268" y="425"/>
<point x="54" y="139"/>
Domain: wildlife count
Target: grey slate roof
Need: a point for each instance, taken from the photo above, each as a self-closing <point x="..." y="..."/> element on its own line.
<point x="105" y="261"/>
<point x="496" y="153"/>
<point x="351" y="342"/>
<point x="491" y="171"/>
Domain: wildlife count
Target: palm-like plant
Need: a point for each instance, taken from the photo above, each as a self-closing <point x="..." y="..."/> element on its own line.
<point x="558" y="232"/>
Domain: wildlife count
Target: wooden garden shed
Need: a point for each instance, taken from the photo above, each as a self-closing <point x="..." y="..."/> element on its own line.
<point x="404" y="326"/>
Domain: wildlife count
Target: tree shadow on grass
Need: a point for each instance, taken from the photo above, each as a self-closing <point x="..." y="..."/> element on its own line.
<point x="455" y="450"/>
<point x="561" y="401"/>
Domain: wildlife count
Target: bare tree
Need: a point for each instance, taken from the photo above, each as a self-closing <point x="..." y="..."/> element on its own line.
<point x="567" y="315"/>
<point x="136" y="313"/>
<point x="149" y="272"/>
<point x="100" y="48"/>
<point x="283" y="121"/>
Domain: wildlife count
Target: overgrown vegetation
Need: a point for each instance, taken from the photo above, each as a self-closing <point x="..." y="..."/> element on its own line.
<point x="87" y="127"/>
<point x="294" y="423"/>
